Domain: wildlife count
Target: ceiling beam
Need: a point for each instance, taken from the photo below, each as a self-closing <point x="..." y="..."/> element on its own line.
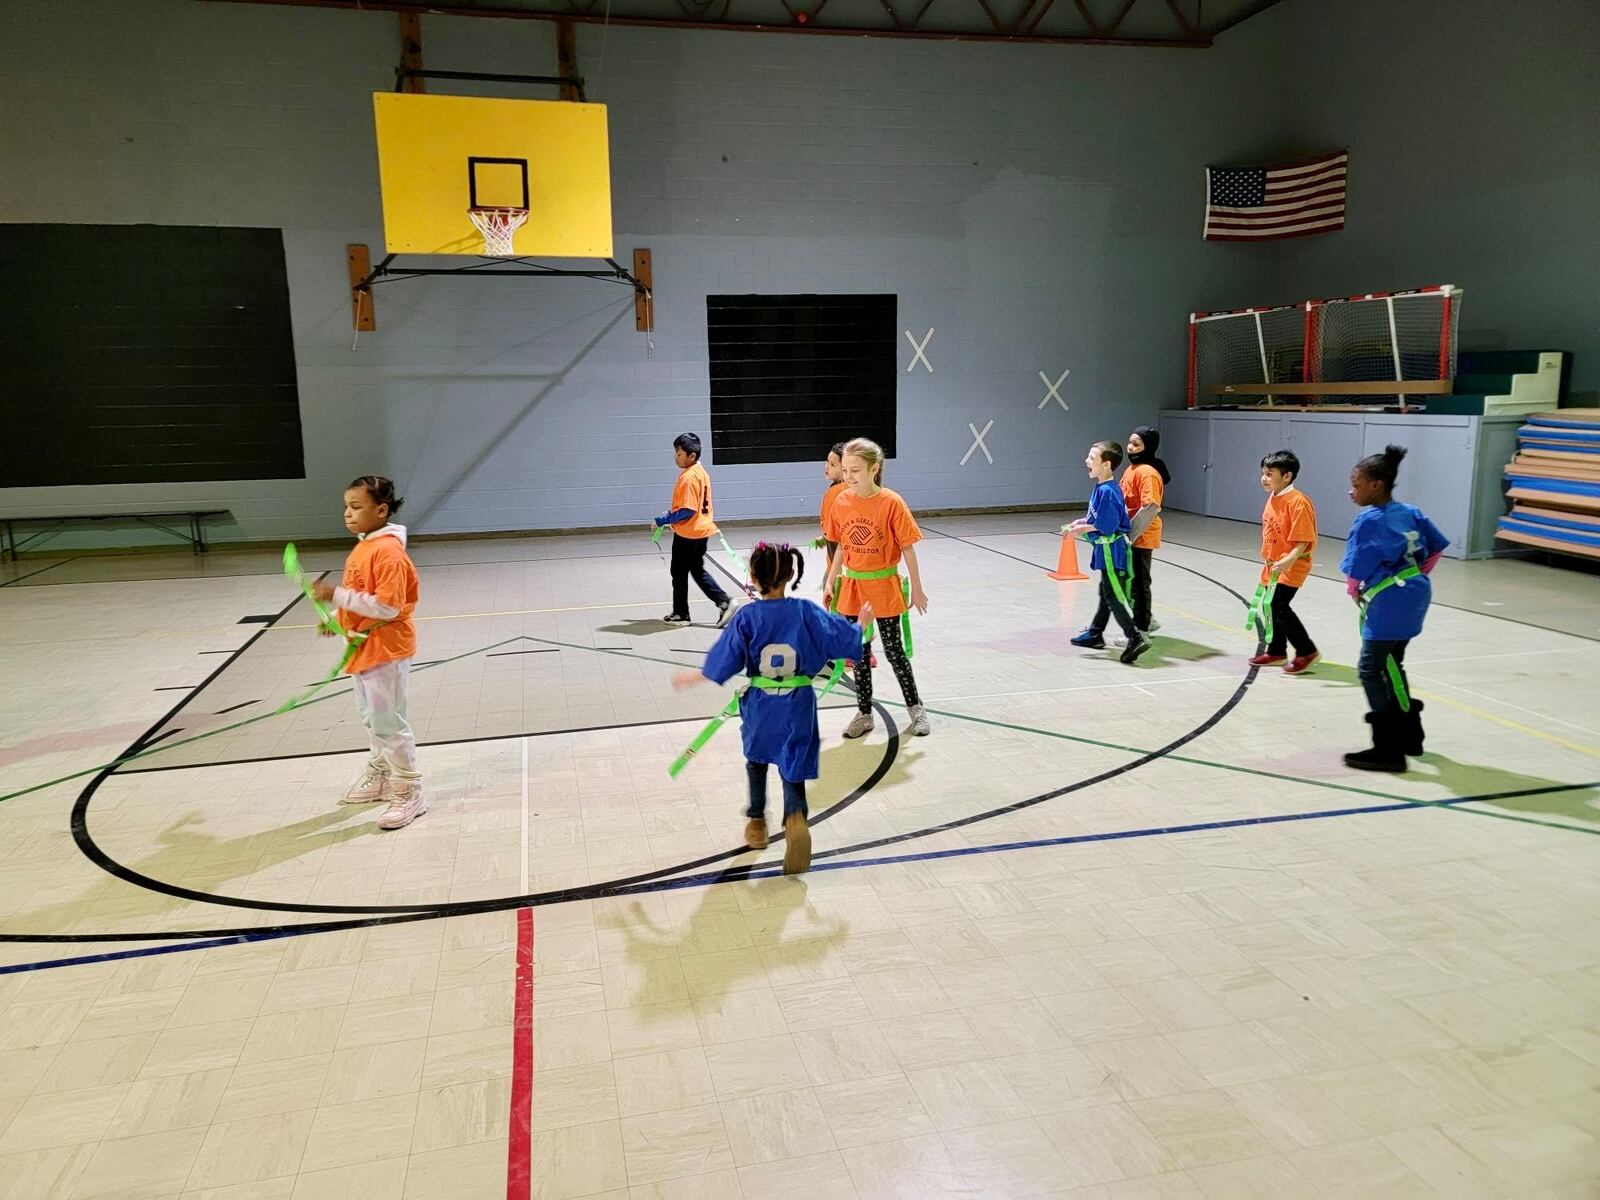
<point x="1101" y="36"/>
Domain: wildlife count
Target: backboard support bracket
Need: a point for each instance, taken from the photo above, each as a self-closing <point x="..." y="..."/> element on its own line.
<point x="364" y="317"/>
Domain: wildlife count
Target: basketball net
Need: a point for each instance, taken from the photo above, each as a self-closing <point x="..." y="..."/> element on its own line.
<point x="498" y="226"/>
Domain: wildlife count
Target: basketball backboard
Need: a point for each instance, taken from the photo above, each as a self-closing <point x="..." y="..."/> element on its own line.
<point x="438" y="156"/>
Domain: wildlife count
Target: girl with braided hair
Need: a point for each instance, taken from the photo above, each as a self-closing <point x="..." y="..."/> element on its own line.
<point x="779" y="644"/>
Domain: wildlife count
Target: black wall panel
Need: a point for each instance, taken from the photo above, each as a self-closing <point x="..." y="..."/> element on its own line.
<point x="145" y="354"/>
<point x="791" y="375"/>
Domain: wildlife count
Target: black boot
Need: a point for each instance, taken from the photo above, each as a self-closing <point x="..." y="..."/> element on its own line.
<point x="1411" y="729"/>
<point x="1386" y="753"/>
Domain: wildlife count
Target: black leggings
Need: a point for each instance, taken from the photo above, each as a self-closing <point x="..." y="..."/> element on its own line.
<point x="894" y="650"/>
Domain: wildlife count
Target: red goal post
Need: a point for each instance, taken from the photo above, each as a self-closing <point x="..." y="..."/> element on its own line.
<point x="1378" y="336"/>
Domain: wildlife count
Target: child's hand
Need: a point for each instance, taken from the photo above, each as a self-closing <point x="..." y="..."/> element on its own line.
<point x="688" y="679"/>
<point x="324" y="631"/>
<point x="1282" y="565"/>
<point x="322" y="591"/>
<point x="919" y="600"/>
<point x="866" y="616"/>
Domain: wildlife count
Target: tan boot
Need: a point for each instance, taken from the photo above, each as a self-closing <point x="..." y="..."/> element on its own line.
<point x="796" y="844"/>
<point x="755" y="833"/>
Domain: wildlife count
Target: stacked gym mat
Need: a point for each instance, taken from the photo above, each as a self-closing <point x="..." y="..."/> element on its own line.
<point x="1554" y="483"/>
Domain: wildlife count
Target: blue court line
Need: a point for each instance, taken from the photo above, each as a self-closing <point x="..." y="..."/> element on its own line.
<point x="776" y="871"/>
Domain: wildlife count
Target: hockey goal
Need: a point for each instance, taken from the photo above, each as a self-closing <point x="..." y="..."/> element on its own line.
<point x="1380" y="337"/>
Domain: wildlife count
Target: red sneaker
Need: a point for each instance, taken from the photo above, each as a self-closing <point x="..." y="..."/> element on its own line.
<point x="1303" y="663"/>
<point x="1268" y="660"/>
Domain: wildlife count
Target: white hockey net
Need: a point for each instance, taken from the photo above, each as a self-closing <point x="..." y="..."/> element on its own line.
<point x="1258" y="346"/>
<point x="1402" y="335"/>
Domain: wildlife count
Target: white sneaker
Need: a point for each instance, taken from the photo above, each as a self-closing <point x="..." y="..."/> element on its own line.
<point x="1154" y="625"/>
<point x="919" y="721"/>
<point x="1116" y="639"/>
<point x="406" y="804"/>
<point x="860" y="725"/>
<point x="725" y="610"/>
<point x="370" y="788"/>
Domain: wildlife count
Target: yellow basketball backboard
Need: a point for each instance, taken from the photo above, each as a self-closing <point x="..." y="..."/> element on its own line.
<point x="438" y="155"/>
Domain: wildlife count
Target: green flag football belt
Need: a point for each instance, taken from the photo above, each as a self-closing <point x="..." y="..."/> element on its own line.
<point x="1119" y="587"/>
<point x="327" y="622"/>
<point x="1397" y="681"/>
<point x="761" y="683"/>
<point x="1259" y="612"/>
<point x="882" y="573"/>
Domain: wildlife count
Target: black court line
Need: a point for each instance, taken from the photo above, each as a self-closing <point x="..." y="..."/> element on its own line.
<point x="91" y="850"/>
<point x="252" y="933"/>
<point x="40" y="571"/>
<point x="511" y="653"/>
<point x="701" y="719"/>
<point x="229" y="651"/>
<point x="1476" y="612"/>
<point x="676" y="650"/>
<point x="1028" y="562"/>
<point x="256" y="620"/>
<point x="652" y="881"/>
<point x="235" y="707"/>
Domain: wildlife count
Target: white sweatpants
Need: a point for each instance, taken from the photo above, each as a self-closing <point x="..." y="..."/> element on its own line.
<point x="382" y="694"/>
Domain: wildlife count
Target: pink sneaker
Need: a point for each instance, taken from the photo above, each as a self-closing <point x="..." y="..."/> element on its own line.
<point x="370" y="788"/>
<point x="406" y="804"/>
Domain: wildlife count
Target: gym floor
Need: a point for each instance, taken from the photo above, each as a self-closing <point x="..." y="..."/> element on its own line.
<point x="1109" y="932"/>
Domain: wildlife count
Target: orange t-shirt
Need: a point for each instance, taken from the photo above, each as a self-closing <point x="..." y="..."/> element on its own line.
<point x="1289" y="518"/>
<point x="829" y="499"/>
<point x="693" y="491"/>
<point x="1141" y="485"/>
<point x="871" y="532"/>
<point x="380" y="566"/>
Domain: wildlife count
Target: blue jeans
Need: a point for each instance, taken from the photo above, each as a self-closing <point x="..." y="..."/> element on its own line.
<point x="794" y="794"/>
<point x="1375" y="675"/>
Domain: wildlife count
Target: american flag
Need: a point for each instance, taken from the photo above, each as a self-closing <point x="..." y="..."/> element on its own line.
<point x="1254" y="204"/>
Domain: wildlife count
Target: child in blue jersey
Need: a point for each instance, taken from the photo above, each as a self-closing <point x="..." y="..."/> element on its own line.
<point x="784" y="638"/>
<point x="1106" y="526"/>
<point x="1392" y="548"/>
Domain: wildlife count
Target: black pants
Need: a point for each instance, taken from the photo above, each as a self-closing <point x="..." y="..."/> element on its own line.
<point x="1373" y="669"/>
<point x="794" y="794"/>
<point x="894" y="649"/>
<point x="689" y="561"/>
<point x="1286" y="625"/>
<point x="1109" y="608"/>
<point x="1141" y="588"/>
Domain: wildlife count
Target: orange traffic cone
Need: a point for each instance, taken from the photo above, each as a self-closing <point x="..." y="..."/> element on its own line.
<point x="1067" y="568"/>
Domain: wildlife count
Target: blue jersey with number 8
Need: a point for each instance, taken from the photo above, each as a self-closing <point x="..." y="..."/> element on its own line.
<point x="779" y="639"/>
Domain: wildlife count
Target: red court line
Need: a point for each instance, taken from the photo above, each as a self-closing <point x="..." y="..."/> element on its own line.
<point x="519" y="1150"/>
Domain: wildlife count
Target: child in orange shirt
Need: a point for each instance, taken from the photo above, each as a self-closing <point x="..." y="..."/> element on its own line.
<point x="377" y="596"/>
<point x="833" y="472"/>
<point x="874" y="529"/>
<point x="692" y="526"/>
<point x="1144" y="486"/>
<point x="1288" y="535"/>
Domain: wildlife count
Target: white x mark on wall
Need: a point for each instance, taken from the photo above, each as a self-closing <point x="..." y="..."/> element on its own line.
<point x="1054" y="392"/>
<point x="977" y="442"/>
<point x="919" y="356"/>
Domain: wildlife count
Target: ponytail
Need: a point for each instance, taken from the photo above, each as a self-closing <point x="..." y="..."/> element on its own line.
<point x="773" y="564"/>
